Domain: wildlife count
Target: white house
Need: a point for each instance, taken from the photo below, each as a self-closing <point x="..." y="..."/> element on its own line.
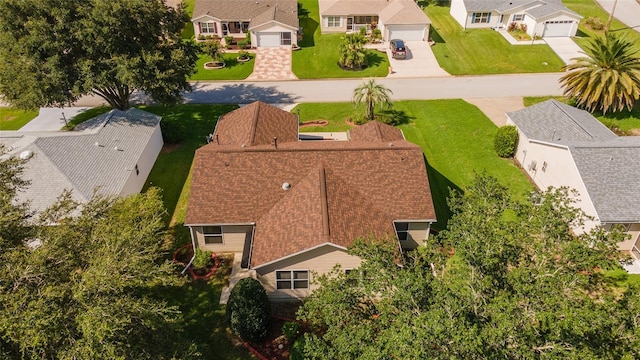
<point x="396" y="19"/>
<point x="560" y="145"/>
<point x="269" y="23"/>
<point x="111" y="154"/>
<point x="544" y="18"/>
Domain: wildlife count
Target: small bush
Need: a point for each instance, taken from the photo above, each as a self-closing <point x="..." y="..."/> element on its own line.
<point x="228" y="40"/>
<point x="172" y="133"/>
<point x="297" y="349"/>
<point x="243" y="55"/>
<point x="359" y="119"/>
<point x="248" y="310"/>
<point x="201" y="37"/>
<point x="291" y="330"/>
<point x="614" y="127"/>
<point x="363" y="31"/>
<point x="505" y="141"/>
<point x="594" y="23"/>
<point x="376" y="34"/>
<point x="512" y="26"/>
<point x="202" y="259"/>
<point x="243" y="44"/>
<point x="523" y="27"/>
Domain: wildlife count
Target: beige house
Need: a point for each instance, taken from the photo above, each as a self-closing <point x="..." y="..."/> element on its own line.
<point x="544" y="18"/>
<point x="269" y="23"/>
<point x="560" y="145"/>
<point x="396" y="19"/>
<point x="291" y="208"/>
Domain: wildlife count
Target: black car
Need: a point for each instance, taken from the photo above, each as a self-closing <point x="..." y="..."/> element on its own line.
<point x="398" y="49"/>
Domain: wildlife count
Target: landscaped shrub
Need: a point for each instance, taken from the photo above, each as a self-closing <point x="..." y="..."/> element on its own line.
<point x="505" y="141"/>
<point x="376" y="35"/>
<point x="243" y="44"/>
<point x="202" y="259"/>
<point x="512" y="26"/>
<point x="594" y="23"/>
<point x="248" y="310"/>
<point x="228" y="40"/>
<point x="297" y="349"/>
<point x="291" y="330"/>
<point x="523" y="27"/>
<point x="172" y="133"/>
<point x="363" y="31"/>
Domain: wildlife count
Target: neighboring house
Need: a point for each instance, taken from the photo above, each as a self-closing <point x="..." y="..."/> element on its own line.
<point x="560" y="145"/>
<point x="293" y="207"/>
<point x="396" y="19"/>
<point x="271" y="23"/>
<point x="111" y="154"/>
<point x="544" y="18"/>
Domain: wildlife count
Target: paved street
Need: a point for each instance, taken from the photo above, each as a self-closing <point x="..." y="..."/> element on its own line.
<point x="627" y="11"/>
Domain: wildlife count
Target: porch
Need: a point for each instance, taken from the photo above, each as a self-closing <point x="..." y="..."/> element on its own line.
<point x="354" y="23"/>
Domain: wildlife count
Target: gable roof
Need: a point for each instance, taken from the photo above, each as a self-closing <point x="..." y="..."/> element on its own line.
<point x="375" y="131"/>
<point x="534" y="8"/>
<point x="390" y="12"/>
<point x="255" y="12"/>
<point x="553" y="121"/>
<point x="98" y="156"/>
<point x="339" y="190"/>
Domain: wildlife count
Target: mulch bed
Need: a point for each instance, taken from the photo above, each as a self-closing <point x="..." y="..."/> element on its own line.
<point x="314" y="123"/>
<point x="269" y="347"/>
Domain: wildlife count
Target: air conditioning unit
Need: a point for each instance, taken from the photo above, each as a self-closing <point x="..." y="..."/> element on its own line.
<point x="532" y="165"/>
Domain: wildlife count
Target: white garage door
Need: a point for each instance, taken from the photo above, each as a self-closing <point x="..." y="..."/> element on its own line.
<point x="269" y="39"/>
<point x="406" y="32"/>
<point x="557" y="28"/>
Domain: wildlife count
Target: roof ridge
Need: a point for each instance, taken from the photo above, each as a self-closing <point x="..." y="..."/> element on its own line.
<point x="557" y="104"/>
<point x="76" y="188"/>
<point x="281" y="149"/>
<point x="326" y="229"/>
<point x="378" y="130"/>
<point x="254" y="125"/>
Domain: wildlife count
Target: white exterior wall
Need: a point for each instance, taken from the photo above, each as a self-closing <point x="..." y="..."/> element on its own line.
<point x="574" y="26"/>
<point x="459" y="12"/>
<point x="233" y="238"/>
<point x="418" y="234"/>
<point x="145" y="162"/>
<point x="337" y="29"/>
<point x="320" y="260"/>
<point x="533" y="28"/>
<point x="494" y="20"/>
<point x="206" y="19"/>
<point x="272" y="28"/>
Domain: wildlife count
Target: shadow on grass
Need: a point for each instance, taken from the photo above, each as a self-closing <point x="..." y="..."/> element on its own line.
<point x="374" y="58"/>
<point x="441" y="188"/>
<point x="309" y="27"/>
<point x="394" y="117"/>
<point x="435" y="36"/>
<point x="233" y="62"/>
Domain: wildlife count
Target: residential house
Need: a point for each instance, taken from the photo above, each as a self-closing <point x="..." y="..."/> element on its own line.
<point x="269" y="23"/>
<point x="543" y="18"/>
<point x="111" y="154"/>
<point x="560" y="145"/>
<point x="291" y="208"/>
<point x="396" y="19"/>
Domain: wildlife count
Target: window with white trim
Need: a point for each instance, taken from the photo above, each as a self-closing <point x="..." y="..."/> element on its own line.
<point x="285" y="38"/>
<point x="292" y="279"/>
<point x="402" y="230"/>
<point x="365" y="19"/>
<point x="334" y="21"/>
<point x="518" y="17"/>
<point x="208" y="28"/>
<point x="212" y="234"/>
<point x="480" y="18"/>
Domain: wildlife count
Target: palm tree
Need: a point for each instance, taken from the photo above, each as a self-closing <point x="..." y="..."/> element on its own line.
<point x="372" y="94"/>
<point x="608" y="78"/>
<point x="353" y="55"/>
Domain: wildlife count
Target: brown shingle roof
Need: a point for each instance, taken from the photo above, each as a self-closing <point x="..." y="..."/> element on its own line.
<point x="375" y="131"/>
<point x="390" y="11"/>
<point x="340" y="190"/>
<point x="256" y="124"/>
<point x="258" y="12"/>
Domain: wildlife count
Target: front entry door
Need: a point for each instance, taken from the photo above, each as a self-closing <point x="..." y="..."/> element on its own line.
<point x="349" y="24"/>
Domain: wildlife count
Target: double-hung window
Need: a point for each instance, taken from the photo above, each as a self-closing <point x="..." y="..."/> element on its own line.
<point x="402" y="229"/>
<point x="292" y="279"/>
<point x="518" y="17"/>
<point x="212" y="234"/>
<point x="208" y="28"/>
<point x="480" y="18"/>
<point x="334" y="21"/>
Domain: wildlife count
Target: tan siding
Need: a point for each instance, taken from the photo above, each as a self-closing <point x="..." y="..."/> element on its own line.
<point x="417" y="235"/>
<point x="233" y="237"/>
<point x="318" y="261"/>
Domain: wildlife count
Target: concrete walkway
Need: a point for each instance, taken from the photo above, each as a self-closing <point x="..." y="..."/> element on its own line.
<point x="52" y="119"/>
<point x="565" y="48"/>
<point x="496" y="108"/>
<point x="627" y="11"/>
<point x="272" y="64"/>
<point x="237" y="273"/>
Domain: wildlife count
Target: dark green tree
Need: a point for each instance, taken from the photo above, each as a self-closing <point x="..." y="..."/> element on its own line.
<point x="54" y="51"/>
<point x="353" y="55"/>
<point x="371" y="94"/>
<point x="520" y="285"/>
<point x="248" y="310"/>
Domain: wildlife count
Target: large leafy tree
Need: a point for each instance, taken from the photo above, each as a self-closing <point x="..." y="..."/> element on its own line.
<point x="519" y="285"/>
<point x="54" y="51"/>
<point x="372" y="94"/>
<point x="93" y="287"/>
<point x="352" y="54"/>
<point x="608" y="78"/>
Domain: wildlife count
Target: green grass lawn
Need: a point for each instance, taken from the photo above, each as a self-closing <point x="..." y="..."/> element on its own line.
<point x="187" y="31"/>
<point x="588" y="8"/>
<point x="456" y="137"/>
<point x="233" y="69"/>
<point x="625" y="120"/>
<point x="14" y="119"/>
<point x="318" y="56"/>
<point x="484" y="51"/>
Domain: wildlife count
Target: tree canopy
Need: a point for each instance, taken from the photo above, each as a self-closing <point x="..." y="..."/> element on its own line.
<point x="54" y="51"/>
<point x="371" y="94"/>
<point x="90" y="286"/>
<point x="507" y="279"/>
<point x="608" y="77"/>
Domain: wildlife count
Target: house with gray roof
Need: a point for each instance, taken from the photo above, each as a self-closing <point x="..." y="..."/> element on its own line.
<point x="268" y="23"/>
<point x="560" y="145"/>
<point x="396" y="19"/>
<point x="111" y="154"/>
<point x="543" y="18"/>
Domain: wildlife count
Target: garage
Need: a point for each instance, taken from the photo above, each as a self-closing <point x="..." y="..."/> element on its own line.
<point x="269" y="39"/>
<point x="406" y="32"/>
<point x="558" y="28"/>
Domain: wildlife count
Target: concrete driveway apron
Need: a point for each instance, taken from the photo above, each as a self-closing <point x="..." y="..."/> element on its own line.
<point x="565" y="48"/>
<point x="272" y="64"/>
<point x="420" y="62"/>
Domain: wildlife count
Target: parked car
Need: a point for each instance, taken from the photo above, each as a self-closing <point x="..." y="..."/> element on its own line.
<point x="398" y="49"/>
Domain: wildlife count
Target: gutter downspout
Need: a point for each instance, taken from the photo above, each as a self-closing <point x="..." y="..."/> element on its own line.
<point x="193" y="243"/>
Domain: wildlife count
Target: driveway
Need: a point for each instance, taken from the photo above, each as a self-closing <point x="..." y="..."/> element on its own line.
<point x="627" y="11"/>
<point x="565" y="48"/>
<point x="420" y="62"/>
<point x="52" y="119"/>
<point x="272" y="63"/>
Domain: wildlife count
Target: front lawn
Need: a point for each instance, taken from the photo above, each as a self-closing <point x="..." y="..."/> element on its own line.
<point x="456" y="138"/>
<point x="589" y="8"/>
<point x="14" y="119"/>
<point x="233" y="70"/>
<point x="484" y="51"/>
<point x="318" y="56"/>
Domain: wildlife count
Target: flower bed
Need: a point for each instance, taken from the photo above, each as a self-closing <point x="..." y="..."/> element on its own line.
<point x="314" y="123"/>
<point x="184" y="254"/>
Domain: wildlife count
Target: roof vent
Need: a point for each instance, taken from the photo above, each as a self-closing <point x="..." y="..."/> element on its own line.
<point x="116" y="148"/>
<point x="390" y="144"/>
<point x="286" y="186"/>
<point x="26" y="154"/>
